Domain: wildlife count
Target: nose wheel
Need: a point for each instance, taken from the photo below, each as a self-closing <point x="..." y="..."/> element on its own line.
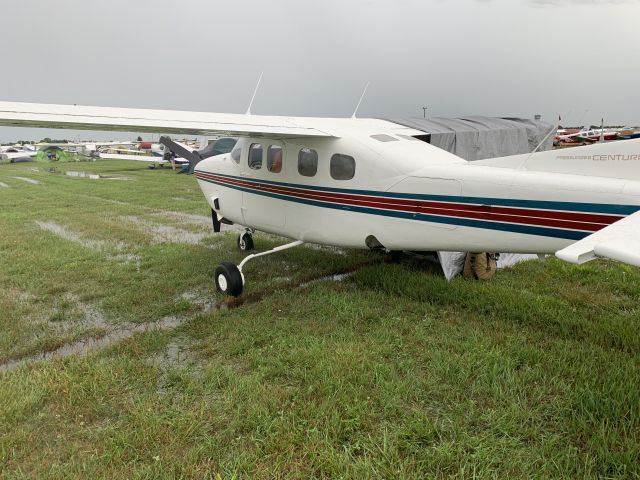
<point x="245" y="241"/>
<point x="229" y="278"/>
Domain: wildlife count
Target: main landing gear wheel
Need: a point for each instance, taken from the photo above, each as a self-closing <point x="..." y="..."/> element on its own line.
<point x="228" y="279"/>
<point x="245" y="241"/>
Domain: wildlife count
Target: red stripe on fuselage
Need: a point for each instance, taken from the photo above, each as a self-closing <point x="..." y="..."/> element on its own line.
<point x="569" y="220"/>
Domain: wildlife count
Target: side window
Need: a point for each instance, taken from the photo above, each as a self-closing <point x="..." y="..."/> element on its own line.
<point x="342" y="167"/>
<point x="255" y="156"/>
<point x="274" y="159"/>
<point x="307" y="162"/>
<point x="235" y="154"/>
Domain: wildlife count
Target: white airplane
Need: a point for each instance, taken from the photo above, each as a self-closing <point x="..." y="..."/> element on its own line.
<point x="374" y="184"/>
<point x="168" y="151"/>
<point x="17" y="152"/>
<point x="591" y="135"/>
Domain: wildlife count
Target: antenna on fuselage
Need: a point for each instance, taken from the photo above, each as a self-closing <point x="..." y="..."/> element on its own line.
<point x="254" y="94"/>
<point x="360" y="101"/>
<point x="546" y="137"/>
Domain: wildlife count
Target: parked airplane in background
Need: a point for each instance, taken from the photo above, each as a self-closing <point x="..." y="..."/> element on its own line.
<point x="154" y="154"/>
<point x="15" y="153"/>
<point x="177" y="153"/>
<point x="370" y="183"/>
<point x="591" y="135"/>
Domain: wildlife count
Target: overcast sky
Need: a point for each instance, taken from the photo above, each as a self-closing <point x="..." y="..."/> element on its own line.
<point x="578" y="59"/>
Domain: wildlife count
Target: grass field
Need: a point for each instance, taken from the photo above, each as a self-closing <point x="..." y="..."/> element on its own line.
<point x="391" y="373"/>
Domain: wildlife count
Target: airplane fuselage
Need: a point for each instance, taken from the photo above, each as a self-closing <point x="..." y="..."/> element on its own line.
<point x="405" y="194"/>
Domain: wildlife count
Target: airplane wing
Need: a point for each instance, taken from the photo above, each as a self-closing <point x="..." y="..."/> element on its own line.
<point x="153" y="121"/>
<point x="619" y="241"/>
<point x="125" y="150"/>
<point x="124" y="156"/>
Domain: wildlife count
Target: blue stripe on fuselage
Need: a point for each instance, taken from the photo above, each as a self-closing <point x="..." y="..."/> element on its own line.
<point x="505" y="202"/>
<point x="465" y="222"/>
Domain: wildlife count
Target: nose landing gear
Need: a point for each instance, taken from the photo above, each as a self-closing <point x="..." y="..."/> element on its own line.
<point x="229" y="278"/>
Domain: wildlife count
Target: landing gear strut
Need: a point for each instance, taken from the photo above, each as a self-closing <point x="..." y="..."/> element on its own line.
<point x="229" y="278"/>
<point x="245" y="240"/>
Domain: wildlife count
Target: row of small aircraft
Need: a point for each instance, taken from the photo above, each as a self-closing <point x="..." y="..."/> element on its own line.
<point x="376" y="184"/>
<point x="185" y="154"/>
<point x="141" y="151"/>
<point x="590" y="135"/>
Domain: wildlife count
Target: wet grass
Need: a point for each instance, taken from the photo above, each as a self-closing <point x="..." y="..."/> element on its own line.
<point x="391" y="373"/>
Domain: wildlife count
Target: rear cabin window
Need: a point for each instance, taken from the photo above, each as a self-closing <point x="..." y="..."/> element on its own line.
<point x="342" y="167"/>
<point x="255" y="156"/>
<point x="274" y="159"/>
<point x="307" y="162"/>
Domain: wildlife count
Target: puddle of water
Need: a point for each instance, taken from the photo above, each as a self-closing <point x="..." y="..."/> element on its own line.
<point x="338" y="277"/>
<point x="131" y="258"/>
<point x="199" y="220"/>
<point x="99" y="245"/>
<point x="161" y="233"/>
<point x="82" y="174"/>
<point x="28" y="180"/>
<point x="95" y="176"/>
<point x="167" y="323"/>
<point x="176" y="355"/>
<point x="3" y="185"/>
<point x="122" y="332"/>
<point x="75" y="312"/>
<point x="63" y="232"/>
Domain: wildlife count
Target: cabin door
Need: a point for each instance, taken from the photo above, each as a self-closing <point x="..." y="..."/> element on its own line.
<point x="262" y="171"/>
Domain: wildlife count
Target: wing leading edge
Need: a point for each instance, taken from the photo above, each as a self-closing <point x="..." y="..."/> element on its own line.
<point x="619" y="241"/>
<point x="78" y="117"/>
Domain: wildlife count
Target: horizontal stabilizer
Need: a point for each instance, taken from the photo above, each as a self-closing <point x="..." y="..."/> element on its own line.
<point x="619" y="241"/>
<point x="182" y="150"/>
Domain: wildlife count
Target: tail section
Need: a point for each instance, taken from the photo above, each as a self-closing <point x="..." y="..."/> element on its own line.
<point x="620" y="159"/>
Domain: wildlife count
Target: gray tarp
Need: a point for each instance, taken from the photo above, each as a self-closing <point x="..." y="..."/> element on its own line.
<point x="479" y="138"/>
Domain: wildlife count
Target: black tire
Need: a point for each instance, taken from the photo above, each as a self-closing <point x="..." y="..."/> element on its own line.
<point x="228" y="279"/>
<point x="245" y="242"/>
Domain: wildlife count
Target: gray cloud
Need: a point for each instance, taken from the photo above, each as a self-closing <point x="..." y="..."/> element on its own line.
<point x="466" y="57"/>
<point x="581" y="2"/>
